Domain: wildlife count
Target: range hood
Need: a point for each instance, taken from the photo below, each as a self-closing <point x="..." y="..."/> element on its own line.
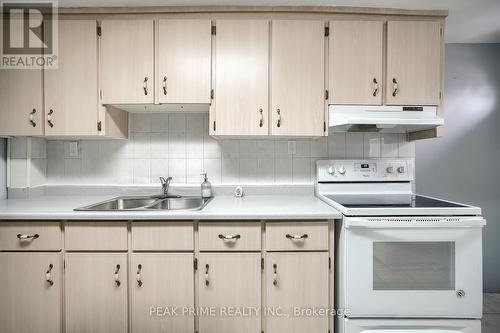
<point x="383" y="119"/>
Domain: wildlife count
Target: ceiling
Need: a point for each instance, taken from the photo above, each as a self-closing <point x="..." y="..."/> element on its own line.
<point x="469" y="21"/>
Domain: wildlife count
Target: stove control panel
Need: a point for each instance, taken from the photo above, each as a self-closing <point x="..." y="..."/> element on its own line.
<point x="383" y="170"/>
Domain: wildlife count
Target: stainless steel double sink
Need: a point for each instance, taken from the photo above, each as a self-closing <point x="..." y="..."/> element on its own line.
<point x="144" y="203"/>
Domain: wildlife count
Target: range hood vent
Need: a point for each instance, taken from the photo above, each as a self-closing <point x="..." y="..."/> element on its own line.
<point x="383" y="119"/>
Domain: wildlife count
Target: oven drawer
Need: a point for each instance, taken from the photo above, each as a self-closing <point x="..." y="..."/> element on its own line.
<point x="410" y="325"/>
<point x="230" y="236"/>
<point x="297" y="236"/>
<point x="30" y="236"/>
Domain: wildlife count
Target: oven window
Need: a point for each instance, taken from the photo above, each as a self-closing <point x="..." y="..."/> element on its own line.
<point x="414" y="266"/>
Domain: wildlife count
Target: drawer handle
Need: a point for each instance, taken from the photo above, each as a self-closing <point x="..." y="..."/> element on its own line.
<point x="297" y="237"/>
<point x="117" y="276"/>
<point x="207" y="280"/>
<point x="48" y="276"/>
<point x="229" y="237"/>
<point x="275" y="275"/>
<point x="27" y="237"/>
<point x="139" y="280"/>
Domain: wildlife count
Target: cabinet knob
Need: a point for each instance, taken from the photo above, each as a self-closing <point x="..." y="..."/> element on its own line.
<point x="32" y="118"/>
<point x="117" y="276"/>
<point x="279" y="117"/>
<point x="395" y="86"/>
<point x="207" y="278"/>
<point x="229" y="237"/>
<point x="48" y="276"/>
<point x="27" y="237"/>
<point x="296" y="237"/>
<point x="49" y="118"/>
<point x="375" y="87"/>
<point x="145" y="85"/>
<point x="164" y="85"/>
<point x="139" y="279"/>
<point x="275" y="275"/>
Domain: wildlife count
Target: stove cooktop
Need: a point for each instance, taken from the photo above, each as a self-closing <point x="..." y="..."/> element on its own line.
<point x="417" y="202"/>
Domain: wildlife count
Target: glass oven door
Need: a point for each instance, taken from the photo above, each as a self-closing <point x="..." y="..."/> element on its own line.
<point x="414" y="272"/>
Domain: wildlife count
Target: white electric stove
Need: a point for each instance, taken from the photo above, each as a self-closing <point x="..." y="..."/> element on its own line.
<point x="405" y="262"/>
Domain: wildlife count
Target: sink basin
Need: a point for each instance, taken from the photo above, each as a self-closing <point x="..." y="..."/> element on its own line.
<point x="147" y="203"/>
<point x="186" y="203"/>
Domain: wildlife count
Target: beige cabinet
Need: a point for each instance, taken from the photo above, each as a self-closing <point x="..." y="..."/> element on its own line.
<point x="21" y="96"/>
<point x="30" y="292"/>
<point x="297" y="280"/>
<point x="184" y="61"/>
<point x="355" y="62"/>
<point x="241" y="78"/>
<point x="414" y="62"/>
<point x="71" y="90"/>
<point x="227" y="282"/>
<point x="96" y="293"/>
<point x="127" y="61"/>
<point x="298" y="78"/>
<point x="165" y="280"/>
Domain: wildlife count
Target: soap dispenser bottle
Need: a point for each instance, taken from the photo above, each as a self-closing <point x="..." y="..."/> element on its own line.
<point x="206" y="187"/>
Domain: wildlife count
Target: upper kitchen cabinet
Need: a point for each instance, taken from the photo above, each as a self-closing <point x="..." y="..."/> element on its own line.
<point x="355" y="62"/>
<point x="184" y="61"/>
<point x="127" y="61"/>
<point x="241" y="78"/>
<point x="414" y="62"/>
<point x="21" y="107"/>
<point x="71" y="90"/>
<point x="297" y="78"/>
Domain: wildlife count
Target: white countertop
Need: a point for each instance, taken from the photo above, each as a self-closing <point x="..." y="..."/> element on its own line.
<point x="252" y="207"/>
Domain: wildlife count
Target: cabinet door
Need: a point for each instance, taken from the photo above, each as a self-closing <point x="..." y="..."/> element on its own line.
<point x="165" y="280"/>
<point x="21" y="102"/>
<point x="95" y="300"/>
<point x="184" y="65"/>
<point x="414" y="51"/>
<point x="71" y="91"/>
<point x="302" y="283"/>
<point x="241" y="77"/>
<point x="356" y="59"/>
<point x="229" y="281"/>
<point x="297" y="78"/>
<point x="127" y="61"/>
<point x="30" y="303"/>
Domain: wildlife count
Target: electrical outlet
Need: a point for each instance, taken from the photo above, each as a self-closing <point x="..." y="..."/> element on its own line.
<point x="292" y="147"/>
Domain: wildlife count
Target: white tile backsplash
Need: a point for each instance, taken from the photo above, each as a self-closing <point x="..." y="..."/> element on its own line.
<point x="178" y="145"/>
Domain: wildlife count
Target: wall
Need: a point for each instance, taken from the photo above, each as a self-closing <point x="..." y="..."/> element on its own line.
<point x="3" y="169"/>
<point x="463" y="165"/>
<point x="179" y="146"/>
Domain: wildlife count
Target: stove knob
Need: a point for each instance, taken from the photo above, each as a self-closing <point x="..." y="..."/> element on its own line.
<point x="401" y="169"/>
<point x="341" y="170"/>
<point x="331" y="170"/>
<point x="390" y="169"/>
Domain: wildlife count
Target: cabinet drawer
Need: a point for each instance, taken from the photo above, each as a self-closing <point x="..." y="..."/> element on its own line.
<point x="30" y="236"/>
<point x="228" y="236"/>
<point x="162" y="236"/>
<point x="96" y="236"/>
<point x="297" y="236"/>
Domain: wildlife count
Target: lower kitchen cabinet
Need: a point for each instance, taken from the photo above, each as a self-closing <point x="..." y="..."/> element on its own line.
<point x="297" y="280"/>
<point x="96" y="293"/>
<point x="164" y="282"/>
<point x="30" y="292"/>
<point x="226" y="282"/>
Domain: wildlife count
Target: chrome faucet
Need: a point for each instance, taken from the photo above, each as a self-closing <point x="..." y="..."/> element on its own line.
<point x="165" y="185"/>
